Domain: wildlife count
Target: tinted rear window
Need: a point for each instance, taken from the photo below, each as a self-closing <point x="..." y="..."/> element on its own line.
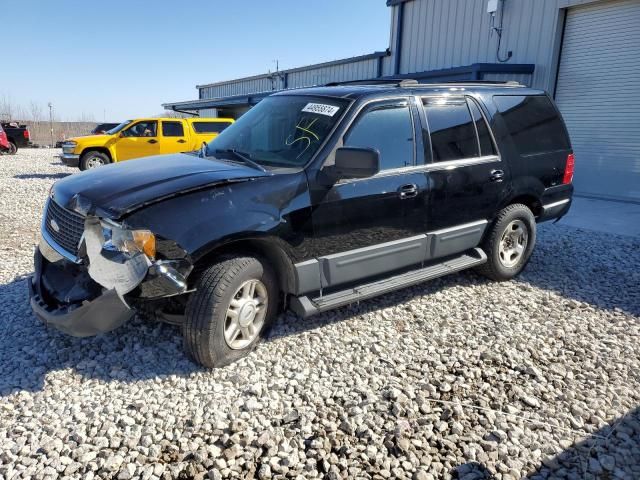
<point x="453" y="135"/>
<point x="172" y="129"/>
<point x="533" y="122"/>
<point x="210" y="127"/>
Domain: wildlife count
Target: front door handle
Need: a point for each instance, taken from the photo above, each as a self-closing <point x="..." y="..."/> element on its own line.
<point x="152" y="141"/>
<point x="408" y="191"/>
<point x="182" y="141"/>
<point x="496" y="175"/>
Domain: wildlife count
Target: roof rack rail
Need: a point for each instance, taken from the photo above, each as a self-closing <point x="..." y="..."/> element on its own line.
<point x="398" y="82"/>
<point x="513" y="83"/>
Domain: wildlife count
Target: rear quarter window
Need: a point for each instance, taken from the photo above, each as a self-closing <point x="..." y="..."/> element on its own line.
<point x="533" y="123"/>
<point x="210" y="127"/>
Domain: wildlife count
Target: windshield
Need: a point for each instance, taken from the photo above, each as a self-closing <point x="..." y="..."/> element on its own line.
<point x="115" y="130"/>
<point x="281" y="131"/>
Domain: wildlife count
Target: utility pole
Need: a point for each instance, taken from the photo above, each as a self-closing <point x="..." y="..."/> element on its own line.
<point x="277" y="76"/>
<point x="51" y="122"/>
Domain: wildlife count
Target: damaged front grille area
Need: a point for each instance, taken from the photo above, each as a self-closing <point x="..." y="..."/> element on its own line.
<point x="64" y="227"/>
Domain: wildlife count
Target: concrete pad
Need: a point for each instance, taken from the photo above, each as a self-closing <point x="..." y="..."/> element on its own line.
<point x="622" y="218"/>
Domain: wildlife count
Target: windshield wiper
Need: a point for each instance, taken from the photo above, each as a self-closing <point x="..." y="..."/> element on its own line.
<point x="245" y="157"/>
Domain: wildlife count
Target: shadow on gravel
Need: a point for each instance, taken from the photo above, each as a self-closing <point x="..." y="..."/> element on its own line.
<point x="41" y="176"/>
<point x="29" y="351"/>
<point x="611" y="452"/>
<point x="593" y="267"/>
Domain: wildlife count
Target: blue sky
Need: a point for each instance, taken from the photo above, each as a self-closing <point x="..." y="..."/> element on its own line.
<point x="126" y="57"/>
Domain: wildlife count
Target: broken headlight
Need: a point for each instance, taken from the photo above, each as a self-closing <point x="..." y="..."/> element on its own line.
<point x="128" y="241"/>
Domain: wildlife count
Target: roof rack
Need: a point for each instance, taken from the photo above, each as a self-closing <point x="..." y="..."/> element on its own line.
<point x="512" y="83"/>
<point x="398" y="82"/>
<point x="411" y="82"/>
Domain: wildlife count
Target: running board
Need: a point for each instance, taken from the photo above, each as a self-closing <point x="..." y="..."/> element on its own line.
<point x="305" y="306"/>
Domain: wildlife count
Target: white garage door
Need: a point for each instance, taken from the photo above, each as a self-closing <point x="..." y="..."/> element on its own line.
<point x="598" y="92"/>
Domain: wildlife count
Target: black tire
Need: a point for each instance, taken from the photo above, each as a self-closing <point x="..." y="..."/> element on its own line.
<point x="92" y="158"/>
<point x="516" y="215"/>
<point x="13" y="149"/>
<point x="206" y="313"/>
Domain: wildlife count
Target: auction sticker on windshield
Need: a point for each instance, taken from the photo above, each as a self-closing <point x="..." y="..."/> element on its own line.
<point x="321" y="109"/>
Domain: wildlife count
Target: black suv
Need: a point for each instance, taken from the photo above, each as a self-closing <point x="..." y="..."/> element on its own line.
<point x="314" y="199"/>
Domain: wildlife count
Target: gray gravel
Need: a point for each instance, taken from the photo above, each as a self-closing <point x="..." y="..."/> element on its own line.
<point x="457" y="378"/>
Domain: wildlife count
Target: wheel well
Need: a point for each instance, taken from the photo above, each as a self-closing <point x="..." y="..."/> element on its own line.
<point x="530" y="201"/>
<point x="264" y="249"/>
<point x="11" y="139"/>
<point x="97" y="149"/>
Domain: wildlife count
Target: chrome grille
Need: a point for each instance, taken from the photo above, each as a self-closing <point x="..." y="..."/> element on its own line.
<point x="70" y="227"/>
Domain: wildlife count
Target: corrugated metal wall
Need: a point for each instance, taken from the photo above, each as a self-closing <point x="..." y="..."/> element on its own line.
<point x="523" y="78"/>
<point x="442" y="34"/>
<point x="240" y="87"/>
<point x="337" y="73"/>
<point x="208" y="112"/>
<point x="306" y="77"/>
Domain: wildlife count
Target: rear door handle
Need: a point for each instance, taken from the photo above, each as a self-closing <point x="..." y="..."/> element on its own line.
<point x="152" y="141"/>
<point x="408" y="191"/>
<point x="182" y="141"/>
<point x="496" y="175"/>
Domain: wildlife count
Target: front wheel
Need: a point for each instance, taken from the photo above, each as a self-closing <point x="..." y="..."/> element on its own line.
<point x="509" y="243"/>
<point x="234" y="302"/>
<point x="93" y="160"/>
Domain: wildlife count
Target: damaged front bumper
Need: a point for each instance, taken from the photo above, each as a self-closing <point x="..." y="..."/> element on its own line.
<point x="94" y="294"/>
<point x="79" y="318"/>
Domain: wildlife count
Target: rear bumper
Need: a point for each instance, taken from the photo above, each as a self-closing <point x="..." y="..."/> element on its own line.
<point x="70" y="159"/>
<point x="91" y="317"/>
<point x="555" y="210"/>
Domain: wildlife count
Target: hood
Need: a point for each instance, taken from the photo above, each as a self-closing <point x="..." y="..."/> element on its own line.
<point x="117" y="189"/>
<point x="87" y="140"/>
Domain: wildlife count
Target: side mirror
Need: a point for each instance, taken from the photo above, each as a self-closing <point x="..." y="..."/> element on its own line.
<point x="354" y="162"/>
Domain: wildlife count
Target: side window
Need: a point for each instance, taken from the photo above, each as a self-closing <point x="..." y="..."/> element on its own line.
<point x="453" y="134"/>
<point x="142" y="129"/>
<point x="487" y="146"/>
<point x="388" y="129"/>
<point x="172" y="129"/>
<point x="210" y="127"/>
<point x="533" y="122"/>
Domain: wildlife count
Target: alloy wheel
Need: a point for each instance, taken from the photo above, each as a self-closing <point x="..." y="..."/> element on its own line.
<point x="246" y="314"/>
<point x="513" y="243"/>
<point x="94" y="162"/>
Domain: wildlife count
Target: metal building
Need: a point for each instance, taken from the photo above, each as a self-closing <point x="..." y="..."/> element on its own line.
<point x="578" y="50"/>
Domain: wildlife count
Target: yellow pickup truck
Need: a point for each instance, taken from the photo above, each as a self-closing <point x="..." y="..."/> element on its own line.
<point x="141" y="138"/>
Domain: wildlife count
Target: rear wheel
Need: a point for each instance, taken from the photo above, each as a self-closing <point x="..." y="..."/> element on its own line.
<point x="235" y="301"/>
<point x="93" y="159"/>
<point x="13" y="149"/>
<point x="509" y="243"/>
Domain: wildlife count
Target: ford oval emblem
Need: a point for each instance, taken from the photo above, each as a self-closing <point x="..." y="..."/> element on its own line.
<point x="54" y="225"/>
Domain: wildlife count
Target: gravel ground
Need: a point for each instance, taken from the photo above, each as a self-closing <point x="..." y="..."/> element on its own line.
<point x="457" y="378"/>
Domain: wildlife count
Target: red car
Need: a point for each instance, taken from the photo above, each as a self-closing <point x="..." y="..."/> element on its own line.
<point x="4" y="141"/>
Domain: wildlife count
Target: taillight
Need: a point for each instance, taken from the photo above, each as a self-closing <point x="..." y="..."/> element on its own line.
<point x="26" y="134"/>
<point x="568" y="169"/>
